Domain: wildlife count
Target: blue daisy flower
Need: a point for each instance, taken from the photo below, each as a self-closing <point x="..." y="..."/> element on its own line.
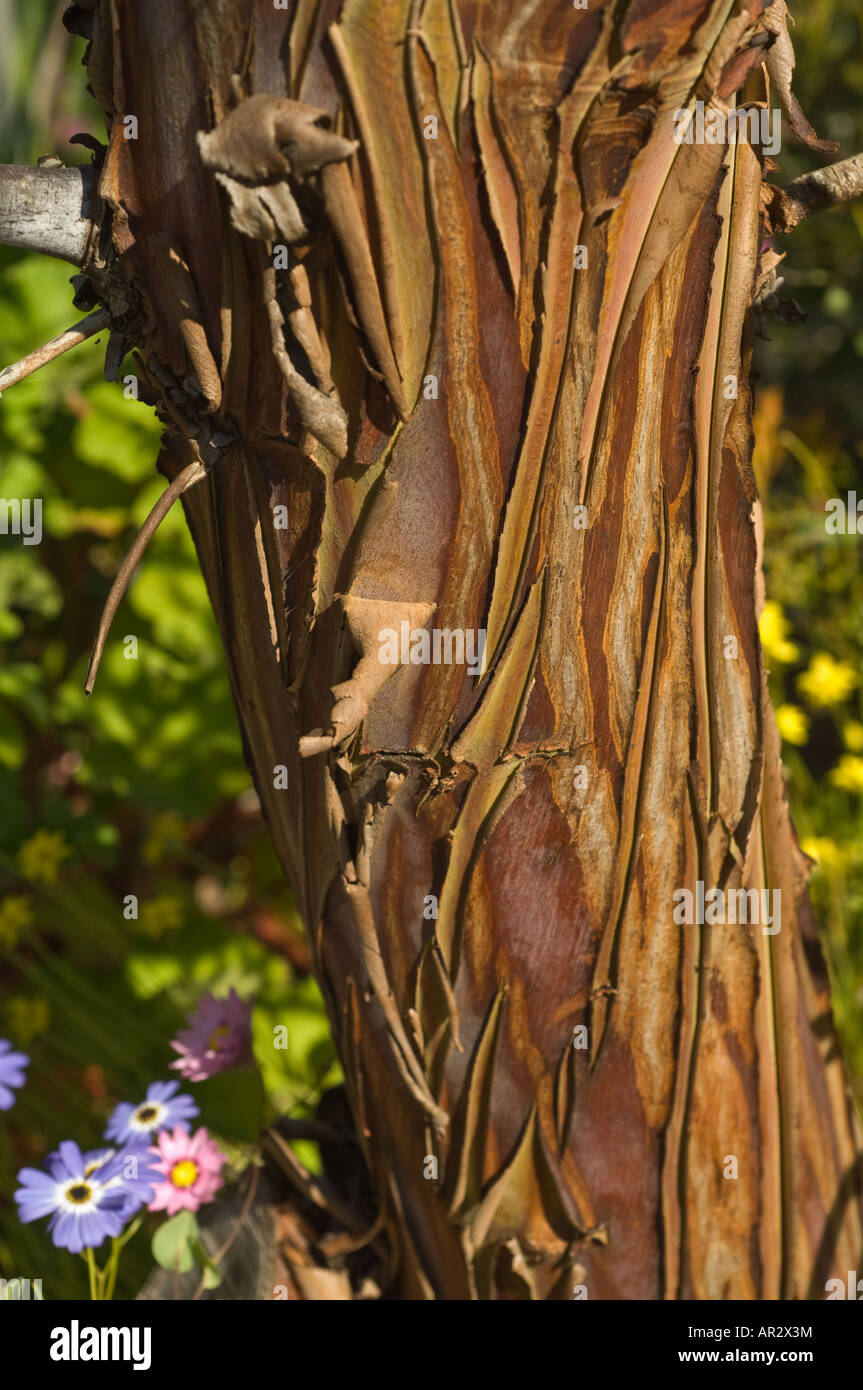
<point x="163" y="1109"/>
<point x="84" y="1204"/>
<point x="139" y="1174"/>
<point x="11" y="1073"/>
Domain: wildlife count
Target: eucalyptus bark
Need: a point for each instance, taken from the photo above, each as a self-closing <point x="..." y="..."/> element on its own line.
<point x="555" y="296"/>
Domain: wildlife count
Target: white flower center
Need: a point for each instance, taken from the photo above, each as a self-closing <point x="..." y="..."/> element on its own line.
<point x="148" y="1116"/>
<point x="80" y="1195"/>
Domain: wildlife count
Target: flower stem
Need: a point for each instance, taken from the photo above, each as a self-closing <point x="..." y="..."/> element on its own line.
<point x="111" y="1269"/>
<point x="91" y="1270"/>
<point x="128" y="1234"/>
<point x="113" y="1265"/>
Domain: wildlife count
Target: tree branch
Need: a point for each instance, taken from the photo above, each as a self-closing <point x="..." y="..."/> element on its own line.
<point x="823" y="188"/>
<point x="71" y="337"/>
<point x="50" y="210"/>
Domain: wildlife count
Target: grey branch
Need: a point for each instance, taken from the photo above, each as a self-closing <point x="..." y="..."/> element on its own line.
<point x="50" y="210"/>
<point x="823" y="188"/>
<point x="93" y="323"/>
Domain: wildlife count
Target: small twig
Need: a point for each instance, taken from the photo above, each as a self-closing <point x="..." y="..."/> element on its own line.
<point x="183" y="481"/>
<point x="93" y="323"/>
<point x="315" y="1190"/>
<point x="312" y="1129"/>
<point x="822" y="188"/>
<point x="223" y="1249"/>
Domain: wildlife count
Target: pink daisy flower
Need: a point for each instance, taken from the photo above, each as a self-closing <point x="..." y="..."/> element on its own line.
<point x="191" y="1165"/>
<point x="219" y="1037"/>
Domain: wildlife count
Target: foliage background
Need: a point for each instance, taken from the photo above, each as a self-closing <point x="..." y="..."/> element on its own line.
<point x="143" y="790"/>
<point x="140" y="790"/>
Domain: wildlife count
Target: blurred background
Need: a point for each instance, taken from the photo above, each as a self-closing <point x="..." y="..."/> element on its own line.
<point x="143" y="790"/>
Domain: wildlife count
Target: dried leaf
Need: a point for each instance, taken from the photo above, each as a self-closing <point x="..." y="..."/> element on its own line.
<point x="780" y="67"/>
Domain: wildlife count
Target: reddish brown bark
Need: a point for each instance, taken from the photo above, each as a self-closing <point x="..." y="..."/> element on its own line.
<point x="613" y="750"/>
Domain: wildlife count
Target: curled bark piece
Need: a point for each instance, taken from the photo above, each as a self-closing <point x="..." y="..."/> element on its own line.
<point x="184" y="296"/>
<point x="114" y="354"/>
<point x="403" y="1054"/>
<point x="265" y="213"/>
<point x="257" y="149"/>
<point x="189" y="476"/>
<point x="267" y="141"/>
<point x="500" y="190"/>
<point x="345" y="218"/>
<point x="768" y="282"/>
<point x="94" y="323"/>
<point x="725" y="54"/>
<point x="267" y="138"/>
<point x="321" y="414"/>
<point x="740" y="65"/>
<point x="780" y="68"/>
<point x="305" y="330"/>
<point x="367" y="619"/>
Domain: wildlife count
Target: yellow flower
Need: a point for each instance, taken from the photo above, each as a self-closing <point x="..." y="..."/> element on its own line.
<point x="16" y="913"/>
<point x="774" y="628"/>
<point x="28" y="1015"/>
<point x="160" y="915"/>
<point x="40" y="857"/>
<point x="793" y="724"/>
<point x="826" y="853"/>
<point x="849" y="773"/>
<point x="852" y="732"/>
<point x="827" y="681"/>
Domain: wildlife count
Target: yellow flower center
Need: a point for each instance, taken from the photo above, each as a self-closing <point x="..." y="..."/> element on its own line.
<point x="215" y="1037"/>
<point x="184" y="1173"/>
<point x="145" y="1113"/>
<point x="79" y="1193"/>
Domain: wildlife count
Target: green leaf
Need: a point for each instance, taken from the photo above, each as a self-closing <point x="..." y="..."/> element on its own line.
<point x="13" y="749"/>
<point x="211" y="1272"/>
<point x="26" y="584"/>
<point x="117" y="435"/>
<point x="172" y="1244"/>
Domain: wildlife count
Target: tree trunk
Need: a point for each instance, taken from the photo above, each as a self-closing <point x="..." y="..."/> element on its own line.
<point x="482" y="327"/>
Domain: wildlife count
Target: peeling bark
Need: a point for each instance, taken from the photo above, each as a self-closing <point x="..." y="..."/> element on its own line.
<point x="537" y="311"/>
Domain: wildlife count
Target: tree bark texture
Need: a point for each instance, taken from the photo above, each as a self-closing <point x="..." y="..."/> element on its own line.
<point x="611" y="751"/>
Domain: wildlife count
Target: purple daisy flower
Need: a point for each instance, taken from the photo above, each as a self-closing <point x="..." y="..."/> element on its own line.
<point x="133" y="1125"/>
<point x="84" y="1204"/>
<point x="11" y="1073"/>
<point x="219" y="1037"/>
<point x="139" y="1173"/>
